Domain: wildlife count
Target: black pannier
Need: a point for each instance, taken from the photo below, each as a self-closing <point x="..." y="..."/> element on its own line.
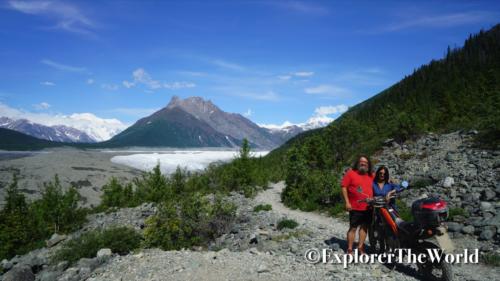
<point x="429" y="212"/>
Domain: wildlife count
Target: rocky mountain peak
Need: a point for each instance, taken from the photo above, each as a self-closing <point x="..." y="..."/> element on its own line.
<point x="193" y="104"/>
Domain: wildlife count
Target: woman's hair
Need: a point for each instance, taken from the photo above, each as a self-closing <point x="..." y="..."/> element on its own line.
<point x="355" y="166"/>
<point x="386" y="174"/>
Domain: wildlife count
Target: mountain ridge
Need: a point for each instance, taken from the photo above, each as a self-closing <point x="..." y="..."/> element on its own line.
<point x="57" y="133"/>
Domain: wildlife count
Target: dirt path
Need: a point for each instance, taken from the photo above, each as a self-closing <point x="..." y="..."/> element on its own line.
<point x="272" y="196"/>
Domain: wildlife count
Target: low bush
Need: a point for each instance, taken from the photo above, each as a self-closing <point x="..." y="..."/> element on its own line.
<point x="190" y="221"/>
<point x="403" y="210"/>
<point x="491" y="259"/>
<point x="457" y="212"/>
<point x="262" y="207"/>
<point x="120" y="240"/>
<point x="287" y="223"/>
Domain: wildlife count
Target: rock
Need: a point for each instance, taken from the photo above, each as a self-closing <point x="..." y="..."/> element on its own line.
<point x="55" y="239"/>
<point x="486" y="206"/>
<point x="448" y="182"/>
<point x="487" y="234"/>
<point x="61" y="266"/>
<point x="488" y="194"/>
<point x="469" y="229"/>
<point x="388" y="142"/>
<point x="19" y="273"/>
<point x="335" y="246"/>
<point x="454" y="226"/>
<point x="262" y="268"/>
<point x="104" y="253"/>
<point x="6" y="265"/>
<point x="89" y="263"/>
<point x="49" y="276"/>
<point x="452" y="157"/>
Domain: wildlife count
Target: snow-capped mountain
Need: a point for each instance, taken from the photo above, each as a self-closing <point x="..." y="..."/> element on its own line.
<point x="97" y="128"/>
<point x="59" y="133"/>
<point x="288" y="130"/>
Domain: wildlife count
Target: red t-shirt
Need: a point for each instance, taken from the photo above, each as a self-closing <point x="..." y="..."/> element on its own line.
<point x="359" y="187"/>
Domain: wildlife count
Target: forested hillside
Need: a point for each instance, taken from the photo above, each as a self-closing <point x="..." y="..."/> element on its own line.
<point x="459" y="92"/>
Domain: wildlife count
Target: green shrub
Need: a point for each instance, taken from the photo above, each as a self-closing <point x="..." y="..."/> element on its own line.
<point x="403" y="210"/>
<point x="120" y="240"/>
<point x="116" y="195"/>
<point x="421" y="183"/>
<point x="192" y="221"/>
<point x="287" y="223"/>
<point x="25" y="226"/>
<point x="262" y="207"/>
<point x="457" y="212"/>
<point x="491" y="259"/>
<point x="406" y="156"/>
<point x="337" y="210"/>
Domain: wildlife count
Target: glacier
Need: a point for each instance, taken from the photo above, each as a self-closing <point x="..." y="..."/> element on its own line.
<point x="192" y="160"/>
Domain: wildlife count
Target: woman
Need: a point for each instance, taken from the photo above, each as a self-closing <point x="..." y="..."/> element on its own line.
<point x="383" y="186"/>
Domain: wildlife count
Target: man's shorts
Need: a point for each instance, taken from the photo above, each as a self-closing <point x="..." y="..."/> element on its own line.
<point x="357" y="218"/>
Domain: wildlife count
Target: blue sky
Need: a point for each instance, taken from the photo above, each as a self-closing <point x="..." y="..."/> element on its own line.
<point x="273" y="61"/>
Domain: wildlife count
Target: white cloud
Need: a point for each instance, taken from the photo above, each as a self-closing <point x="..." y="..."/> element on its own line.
<point x="248" y="113"/>
<point x="303" y="73"/>
<point x="140" y="76"/>
<point x="41" y="106"/>
<point x="267" y="96"/>
<point x="302" y="7"/>
<point x="98" y="128"/>
<point x="328" y="110"/>
<point x="179" y="85"/>
<point x="67" y="17"/>
<point x="62" y="67"/>
<point x="324" y="89"/>
<point x="440" y="21"/>
<point x="228" y="65"/>
<point x="298" y="74"/>
<point x="90" y="81"/>
<point x="128" y="84"/>
<point x="110" y="87"/>
<point x="47" y="83"/>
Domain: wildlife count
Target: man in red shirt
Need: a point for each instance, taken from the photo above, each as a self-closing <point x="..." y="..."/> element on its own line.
<point x="357" y="185"/>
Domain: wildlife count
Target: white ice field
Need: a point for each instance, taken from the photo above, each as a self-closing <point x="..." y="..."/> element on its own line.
<point x="169" y="160"/>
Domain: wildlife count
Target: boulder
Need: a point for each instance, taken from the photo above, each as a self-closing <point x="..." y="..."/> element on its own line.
<point x="6" y="265"/>
<point x="49" y="276"/>
<point x="486" y="234"/>
<point x="19" y="273"/>
<point x="454" y="226"/>
<point x="448" y="182"/>
<point x="55" y="239"/>
<point x="486" y="206"/>
<point x="469" y="229"/>
<point x="88" y="263"/>
<point x="488" y="194"/>
<point x="104" y="253"/>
